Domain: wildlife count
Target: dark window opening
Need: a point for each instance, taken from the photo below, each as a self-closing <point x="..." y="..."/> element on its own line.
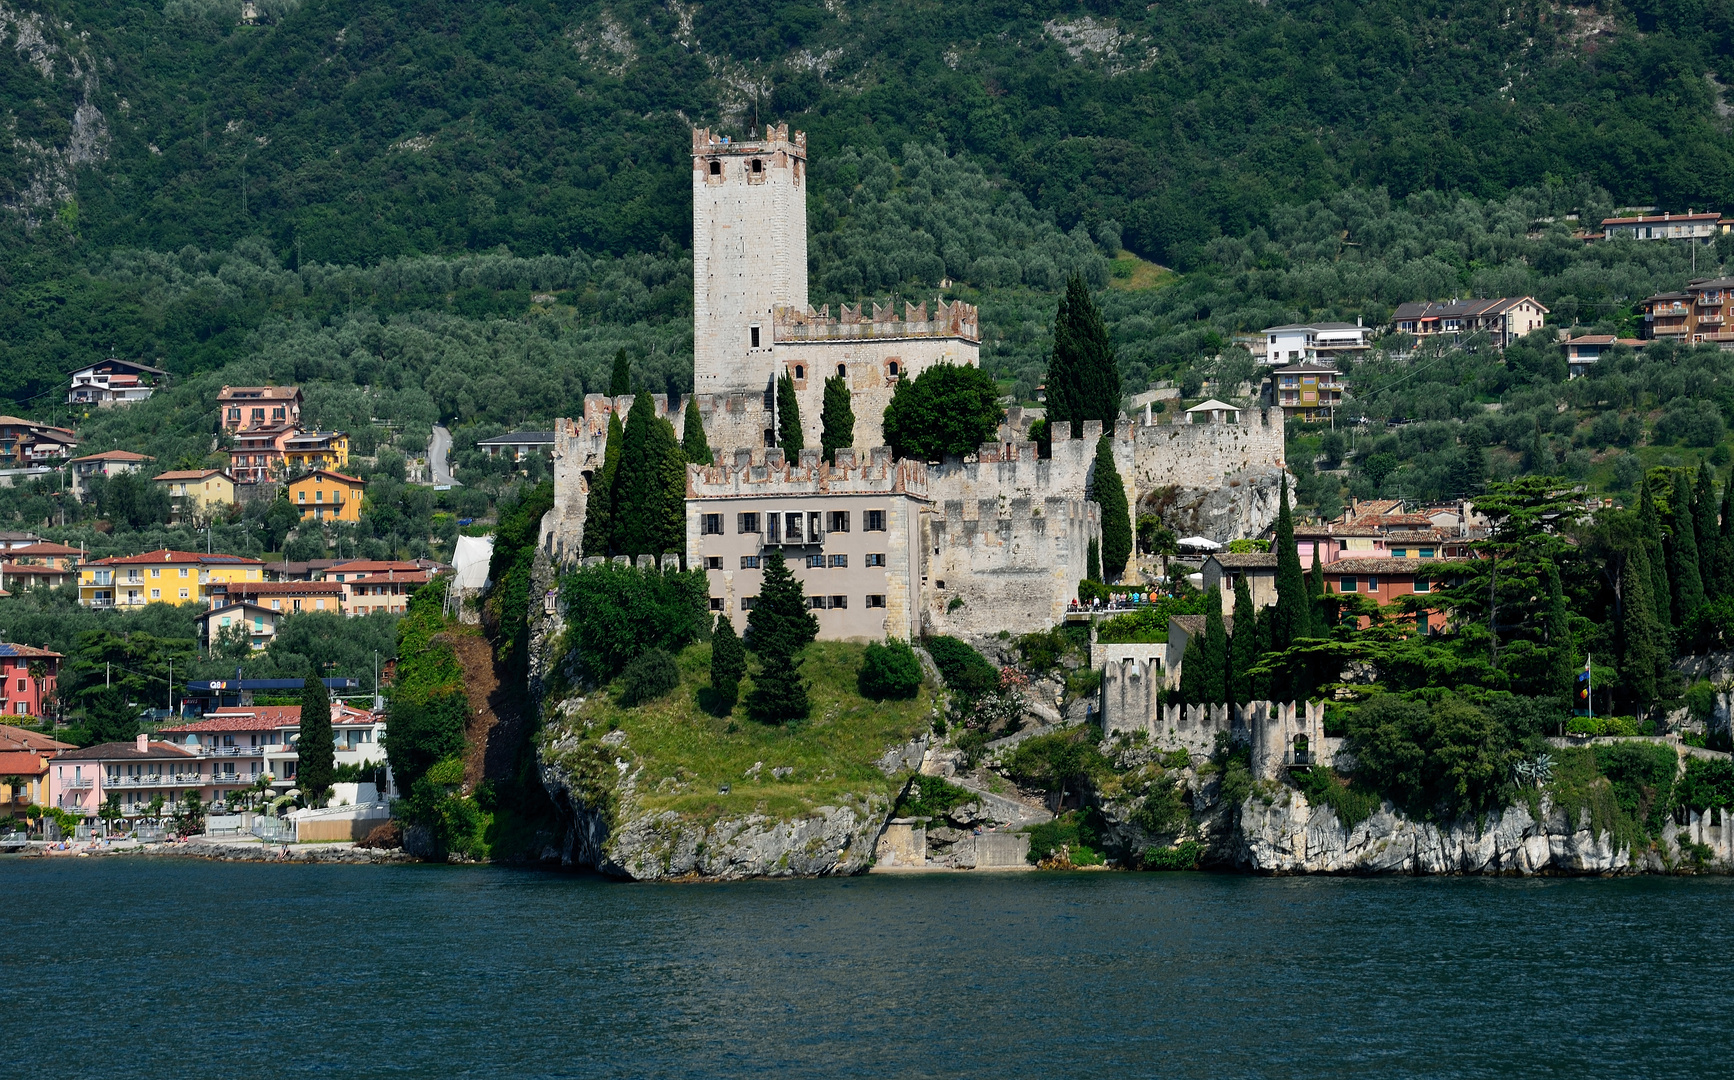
<point x="875" y="599"/>
<point x="842" y="371"/>
<point x="754" y="331"/>
<point x="716" y="168"/>
<point x="758" y="166"/>
<point x="875" y="521"/>
<point x="892" y="367"/>
<point x="800" y="372"/>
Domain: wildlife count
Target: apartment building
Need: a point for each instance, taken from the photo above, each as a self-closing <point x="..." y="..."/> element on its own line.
<point x="84" y="469"/>
<point x="160" y="577"/>
<point x="326" y="495"/>
<point x="316" y="450"/>
<point x="31" y="677"/>
<point x="1582" y="353"/>
<point x="1308" y="391"/>
<point x="264" y="738"/>
<point x="287" y="597"/>
<point x="197" y="494"/>
<point x="1700" y="312"/>
<point x="249" y="408"/>
<point x="24" y="758"/>
<point x="1317" y="342"/>
<point x="1698" y="228"/>
<point x="1504" y="320"/>
<point x="28" y="442"/>
<point x="257" y="623"/>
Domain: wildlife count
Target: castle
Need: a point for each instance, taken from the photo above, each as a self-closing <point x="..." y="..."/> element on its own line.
<point x="993" y="542"/>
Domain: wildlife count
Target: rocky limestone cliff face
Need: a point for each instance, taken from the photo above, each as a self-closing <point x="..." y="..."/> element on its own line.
<point x="1289" y="836"/>
<point x="1244" y="504"/>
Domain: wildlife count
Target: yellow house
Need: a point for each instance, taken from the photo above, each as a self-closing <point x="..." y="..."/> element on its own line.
<point x="197" y="493"/>
<point x="161" y="577"/>
<point x="323" y="495"/>
<point x="316" y="450"/>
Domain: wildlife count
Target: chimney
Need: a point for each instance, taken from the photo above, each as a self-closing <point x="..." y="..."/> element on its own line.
<point x="143" y="743"/>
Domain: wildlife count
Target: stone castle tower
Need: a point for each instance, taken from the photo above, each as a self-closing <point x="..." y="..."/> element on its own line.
<point x="749" y="253"/>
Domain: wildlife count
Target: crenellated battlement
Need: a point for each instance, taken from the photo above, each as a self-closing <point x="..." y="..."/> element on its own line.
<point x="955" y="319"/>
<point x="777" y="138"/>
<point x="1279" y="734"/>
<point x="770" y="474"/>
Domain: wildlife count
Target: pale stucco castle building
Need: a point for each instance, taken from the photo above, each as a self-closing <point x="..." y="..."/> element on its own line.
<point x="884" y="547"/>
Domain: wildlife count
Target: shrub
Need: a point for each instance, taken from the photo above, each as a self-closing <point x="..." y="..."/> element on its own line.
<point x="889" y="672"/>
<point x="619" y="612"/>
<point x="1183" y="856"/>
<point x="1352" y="802"/>
<point x="648" y="677"/>
<point x="1057" y="762"/>
<point x="1074" y="834"/>
<point x="932" y="796"/>
<point x="1602" y="725"/>
<point x="1707" y="785"/>
<point x="1445" y="759"/>
<point x="1642" y="775"/>
<point x="963" y="669"/>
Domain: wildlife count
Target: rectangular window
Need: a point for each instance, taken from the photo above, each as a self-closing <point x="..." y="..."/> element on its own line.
<point x="749" y="562"/>
<point x="839" y="521"/>
<point x="746" y="523"/>
<point x="156" y="572"/>
<point x="1423" y="585"/>
<point x="817" y="603"/>
<point x="748" y="603"/>
<point x="183" y="571"/>
<point x="716" y="603"/>
<point x="713" y="562"/>
<point x="875" y="521"/>
<point x="1372" y="584"/>
<point x="876" y="560"/>
<point x="156" y="594"/>
<point x="792" y="527"/>
<point x="838" y="560"/>
<point x="1399" y="553"/>
<point x="773" y="528"/>
<point x="1426" y="553"/>
<point x="815" y="562"/>
<point x="710" y="524"/>
<point x="1349" y="585"/>
<point x="754" y="336"/>
<point x="839" y="601"/>
<point x="875" y="600"/>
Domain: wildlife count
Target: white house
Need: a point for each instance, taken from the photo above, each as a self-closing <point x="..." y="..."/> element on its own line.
<point x="1313" y="341"/>
<point x="114" y="382"/>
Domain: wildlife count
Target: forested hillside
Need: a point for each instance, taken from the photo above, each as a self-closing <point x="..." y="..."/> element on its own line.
<point x="466" y="210"/>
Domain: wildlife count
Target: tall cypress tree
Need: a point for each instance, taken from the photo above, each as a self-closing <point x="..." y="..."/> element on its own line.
<point x="1316" y="597"/>
<point x="1093" y="561"/>
<point x="1264" y="616"/>
<point x="693" y="440"/>
<point x="620" y="382"/>
<point x="728" y="664"/>
<point x="836" y="419"/>
<point x="1215" y="649"/>
<point x="1242" y="644"/>
<point x="1192" y="671"/>
<point x="1109" y="493"/>
<point x="315" y="752"/>
<point x="1704" y="522"/>
<point x="650" y="488"/>
<point x="1290" y="621"/>
<point x="788" y="418"/>
<point x="599" y="507"/>
<point x="779" y="627"/>
<point x="1683" y="576"/>
<point x="1083" y="380"/>
<point x="1641" y="651"/>
<point x="1650" y="533"/>
<point x="1725" y="542"/>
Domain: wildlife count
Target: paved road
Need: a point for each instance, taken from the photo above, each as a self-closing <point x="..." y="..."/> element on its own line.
<point x="438" y="449"/>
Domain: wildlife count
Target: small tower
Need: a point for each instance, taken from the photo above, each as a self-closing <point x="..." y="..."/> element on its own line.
<point x="749" y="253"/>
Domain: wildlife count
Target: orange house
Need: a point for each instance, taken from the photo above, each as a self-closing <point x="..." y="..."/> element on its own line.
<point x="325" y="495"/>
<point x="1384" y="580"/>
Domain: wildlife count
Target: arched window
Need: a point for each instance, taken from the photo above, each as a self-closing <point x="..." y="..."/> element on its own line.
<point x="758" y="166"/>
<point x="842" y="371"/>
<point x="892" y="367"/>
<point x="800" y="372"/>
<point x="716" y="168"/>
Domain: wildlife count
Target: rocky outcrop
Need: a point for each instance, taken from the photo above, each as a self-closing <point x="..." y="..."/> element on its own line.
<point x="1284" y="834"/>
<point x="1245" y="503"/>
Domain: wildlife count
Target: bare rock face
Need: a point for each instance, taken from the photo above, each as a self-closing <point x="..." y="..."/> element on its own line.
<point x="1289" y="836"/>
<point x="1244" y="504"/>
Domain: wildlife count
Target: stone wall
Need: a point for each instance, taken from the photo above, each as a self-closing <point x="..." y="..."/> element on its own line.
<point x="1208" y="455"/>
<point x="562" y="533"/>
<point x="1128" y="705"/>
<point x="1008" y="565"/>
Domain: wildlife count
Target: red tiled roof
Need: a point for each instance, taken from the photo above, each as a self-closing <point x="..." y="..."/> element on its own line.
<point x="28" y="652"/>
<point x="1351" y="567"/>
<point x="22" y="763"/>
<point x="114" y="455"/>
<point x="17" y="738"/>
<point x="123" y="751"/>
<point x="189" y="474"/>
<point x="252" y="718"/>
<point x="412" y="577"/>
<point x="368" y="566"/>
<point x="335" y="475"/>
<point x="44" y="548"/>
<point x="280" y="588"/>
<point x="164" y="555"/>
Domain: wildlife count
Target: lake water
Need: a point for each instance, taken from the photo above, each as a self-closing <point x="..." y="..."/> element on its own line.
<point x="160" y="968"/>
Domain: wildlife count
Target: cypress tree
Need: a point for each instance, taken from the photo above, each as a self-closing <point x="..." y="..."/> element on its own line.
<point x="693" y="440"/>
<point x="1650" y="533"/>
<point x="1109" y="493"/>
<point x="836" y="419"/>
<point x="1641" y="652"/>
<point x="788" y="418"/>
<point x="1215" y="649"/>
<point x="1093" y="562"/>
<point x="1563" y="659"/>
<point x="1083" y="373"/>
<point x="1704" y="527"/>
<point x="599" y="507"/>
<point x="1290" y="621"/>
<point x="1725" y="542"/>
<point x="1264" y="616"/>
<point x="1192" y="665"/>
<point x="778" y="628"/>
<point x="650" y="488"/>
<point x="1316" y="597"/>
<point x="1683" y="576"/>
<point x="1243" y="645"/>
<point x="620" y="382"/>
<point x="315" y="752"/>
<point x="728" y="664"/>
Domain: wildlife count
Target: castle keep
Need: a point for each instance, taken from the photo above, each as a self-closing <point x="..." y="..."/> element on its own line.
<point x="993" y="542"/>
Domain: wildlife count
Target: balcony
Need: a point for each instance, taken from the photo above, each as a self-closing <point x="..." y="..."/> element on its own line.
<point x="1709" y="320"/>
<point x="79" y="782"/>
<point x="231" y="751"/>
<point x="156" y="780"/>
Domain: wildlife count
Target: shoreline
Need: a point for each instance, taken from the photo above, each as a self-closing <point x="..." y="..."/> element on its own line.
<point x="218" y="849"/>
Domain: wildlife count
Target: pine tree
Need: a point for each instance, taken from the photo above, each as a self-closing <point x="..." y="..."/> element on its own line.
<point x="1683" y="576"/>
<point x="1083" y="380"/>
<point x="1243" y="645"/>
<point x="599" y="507"/>
<point x="788" y="419"/>
<point x="315" y="751"/>
<point x="779" y="627"/>
<point x="1650" y="533"/>
<point x="1192" y="665"/>
<point x="650" y="488"/>
<point x="728" y="664"/>
<point x="693" y="440"/>
<point x="1640" y="647"/>
<point x="1562" y="661"/>
<point x="1261" y="689"/>
<point x="836" y="419"/>
<point x="1291" y="620"/>
<point x="779" y="693"/>
<point x="1109" y="493"/>
<point x="620" y="383"/>
<point x="1215" y="649"/>
<point x="1704" y="528"/>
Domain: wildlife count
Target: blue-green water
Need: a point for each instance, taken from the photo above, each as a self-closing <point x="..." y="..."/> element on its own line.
<point x="158" y="968"/>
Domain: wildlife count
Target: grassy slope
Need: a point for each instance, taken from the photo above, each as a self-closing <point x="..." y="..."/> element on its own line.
<point x="687" y="755"/>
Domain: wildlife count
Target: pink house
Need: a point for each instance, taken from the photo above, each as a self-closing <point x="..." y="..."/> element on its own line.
<point x="80" y="781"/>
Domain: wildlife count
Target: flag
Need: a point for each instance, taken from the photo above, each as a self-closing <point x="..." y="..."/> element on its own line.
<point x="1583" y="684"/>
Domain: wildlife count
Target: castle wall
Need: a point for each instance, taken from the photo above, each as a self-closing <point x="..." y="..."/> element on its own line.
<point x="1269" y="729"/>
<point x="562" y="532"/>
<point x="1010" y="565"/>
<point x="1011" y="470"/>
<point x="1207" y="455"/>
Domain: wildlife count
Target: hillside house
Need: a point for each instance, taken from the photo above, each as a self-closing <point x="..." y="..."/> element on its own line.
<point x="28" y="442"/>
<point x="518" y="445"/>
<point x="197" y="494"/>
<point x="1698" y="228"/>
<point x="82" y="470"/>
<point x="113" y="381"/>
<point x="1504" y="320"/>
<point x="1584" y="352"/>
<point x="326" y="495"/>
<point x="1702" y="311"/>
<point x="1317" y="342"/>
<point x="1308" y="391"/>
<point x="163" y="576"/>
<point x="316" y="450"/>
<point x="250" y="408"/>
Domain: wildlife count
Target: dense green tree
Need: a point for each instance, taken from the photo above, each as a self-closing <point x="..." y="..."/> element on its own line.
<point x="1216" y="659"/>
<point x="728" y="664"/>
<point x="1683" y="575"/>
<point x="693" y="439"/>
<point x="1109" y="494"/>
<point x="1093" y="560"/>
<point x="599" y="521"/>
<point x="1243" y="645"/>
<point x="837" y="419"/>
<point x="1704" y="528"/>
<point x="1656" y="561"/>
<point x="1642" y="650"/>
<point x="781" y="621"/>
<point x="315" y="748"/>
<point x="1194" y="672"/>
<point x="1725" y="542"/>
<point x="889" y="672"/>
<point x="619" y="612"/>
<point x="620" y="381"/>
<point x="1316" y="613"/>
<point x="1556" y="635"/>
<point x="1291" y="619"/>
<point x="947" y="409"/>
<point x="650" y="489"/>
<point x="1083" y="373"/>
<point x="789" y="435"/>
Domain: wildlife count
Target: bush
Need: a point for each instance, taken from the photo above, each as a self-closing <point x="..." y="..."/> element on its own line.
<point x="1707" y="785"/>
<point x="1602" y="725"/>
<point x="1352" y="802"/>
<point x="620" y="612"/>
<point x="648" y="677"/>
<point x="889" y="672"/>
<point x="1074" y="835"/>
<point x="1444" y="759"/>
<point x="963" y="669"/>
<point x="1642" y="775"/>
<point x="932" y="796"/>
<point x="1180" y="857"/>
